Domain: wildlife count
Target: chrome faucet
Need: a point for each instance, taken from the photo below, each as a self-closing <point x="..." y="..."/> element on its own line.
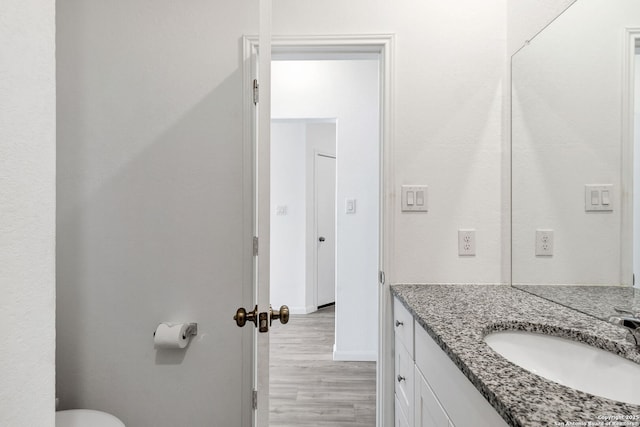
<point x="629" y="320"/>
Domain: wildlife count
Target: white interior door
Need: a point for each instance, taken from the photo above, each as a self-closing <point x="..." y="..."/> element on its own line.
<point x="325" y="180"/>
<point x="262" y="210"/>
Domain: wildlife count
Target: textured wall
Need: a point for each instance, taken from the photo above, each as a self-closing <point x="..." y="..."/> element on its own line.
<point x="27" y="212"/>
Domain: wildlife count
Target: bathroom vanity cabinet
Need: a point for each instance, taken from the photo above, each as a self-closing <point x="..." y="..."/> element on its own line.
<point x="447" y="375"/>
<point x="430" y="390"/>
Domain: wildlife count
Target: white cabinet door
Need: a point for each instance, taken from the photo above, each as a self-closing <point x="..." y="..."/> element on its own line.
<point x="401" y="418"/>
<point x="404" y="380"/>
<point x="428" y="412"/>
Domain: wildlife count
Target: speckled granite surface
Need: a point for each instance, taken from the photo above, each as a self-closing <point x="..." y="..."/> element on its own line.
<point x="458" y="317"/>
<point x="598" y="301"/>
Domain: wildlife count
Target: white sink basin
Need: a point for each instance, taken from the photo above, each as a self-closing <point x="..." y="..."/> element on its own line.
<point x="570" y="363"/>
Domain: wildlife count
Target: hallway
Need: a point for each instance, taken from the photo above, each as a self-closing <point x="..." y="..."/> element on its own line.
<point x="307" y="388"/>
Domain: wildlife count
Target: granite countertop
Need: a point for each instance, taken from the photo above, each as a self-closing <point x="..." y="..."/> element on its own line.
<point x="458" y="317"/>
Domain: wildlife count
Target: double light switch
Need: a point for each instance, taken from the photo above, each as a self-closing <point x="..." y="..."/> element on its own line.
<point x="414" y="198"/>
<point x="598" y="198"/>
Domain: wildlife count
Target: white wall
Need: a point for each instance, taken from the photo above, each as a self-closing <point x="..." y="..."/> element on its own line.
<point x="567" y="133"/>
<point x="348" y="91"/>
<point x="27" y="212"/>
<point x="293" y="147"/>
<point x="289" y="230"/>
<point x="152" y="221"/>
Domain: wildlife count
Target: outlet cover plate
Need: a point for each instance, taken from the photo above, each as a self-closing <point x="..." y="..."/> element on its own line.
<point x="466" y="242"/>
<point x="544" y="242"/>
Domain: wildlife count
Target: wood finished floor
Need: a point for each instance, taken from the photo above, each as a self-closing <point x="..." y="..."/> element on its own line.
<point x="307" y="388"/>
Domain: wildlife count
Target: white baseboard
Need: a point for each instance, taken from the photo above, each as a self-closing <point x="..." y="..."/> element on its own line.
<point x="354" y="356"/>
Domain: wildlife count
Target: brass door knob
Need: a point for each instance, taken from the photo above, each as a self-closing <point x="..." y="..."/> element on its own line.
<point x="282" y="314"/>
<point x="242" y="316"/>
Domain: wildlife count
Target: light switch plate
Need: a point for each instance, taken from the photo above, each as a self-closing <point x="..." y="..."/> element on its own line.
<point x="350" y="206"/>
<point x="598" y="198"/>
<point x="414" y="198"/>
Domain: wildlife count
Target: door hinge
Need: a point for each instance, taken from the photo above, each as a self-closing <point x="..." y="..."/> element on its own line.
<point x="254" y="399"/>
<point x="256" y="91"/>
<point x="381" y="277"/>
<point x="255" y="246"/>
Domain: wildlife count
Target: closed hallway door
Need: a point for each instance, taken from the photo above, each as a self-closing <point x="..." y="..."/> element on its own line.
<point x="325" y="179"/>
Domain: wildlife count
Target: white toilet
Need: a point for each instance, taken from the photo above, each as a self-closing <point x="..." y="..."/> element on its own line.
<point x="86" y="418"/>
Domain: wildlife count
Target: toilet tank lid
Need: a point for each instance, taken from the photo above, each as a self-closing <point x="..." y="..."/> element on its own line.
<point x="86" y="418"/>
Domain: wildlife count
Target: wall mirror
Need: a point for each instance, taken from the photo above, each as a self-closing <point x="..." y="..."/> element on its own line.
<point x="575" y="98"/>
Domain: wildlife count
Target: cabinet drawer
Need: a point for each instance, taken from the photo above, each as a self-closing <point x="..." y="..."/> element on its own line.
<point x="401" y="418"/>
<point x="428" y="412"/>
<point x="404" y="380"/>
<point x="403" y="325"/>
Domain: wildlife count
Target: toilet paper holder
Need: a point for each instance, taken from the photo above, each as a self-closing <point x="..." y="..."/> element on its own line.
<point x="191" y="331"/>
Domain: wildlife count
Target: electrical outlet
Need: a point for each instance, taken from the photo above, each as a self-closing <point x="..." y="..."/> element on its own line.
<point x="544" y="242"/>
<point x="467" y="242"/>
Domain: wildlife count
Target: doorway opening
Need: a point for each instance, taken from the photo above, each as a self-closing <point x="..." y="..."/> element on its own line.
<point x="319" y="48"/>
<point x="325" y="175"/>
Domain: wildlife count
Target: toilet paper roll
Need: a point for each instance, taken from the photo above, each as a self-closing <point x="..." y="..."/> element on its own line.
<point x="171" y="335"/>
